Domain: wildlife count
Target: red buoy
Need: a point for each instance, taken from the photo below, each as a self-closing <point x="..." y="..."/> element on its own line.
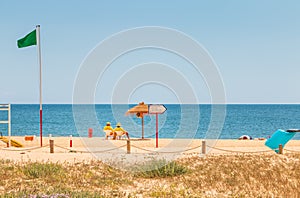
<point x="90" y="132"/>
<point x="71" y="142"/>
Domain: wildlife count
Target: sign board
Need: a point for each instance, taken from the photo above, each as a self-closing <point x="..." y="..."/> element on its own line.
<point x="156" y="109"/>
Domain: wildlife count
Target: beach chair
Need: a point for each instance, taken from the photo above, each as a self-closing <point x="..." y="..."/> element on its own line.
<point x="109" y="133"/>
<point x="121" y="134"/>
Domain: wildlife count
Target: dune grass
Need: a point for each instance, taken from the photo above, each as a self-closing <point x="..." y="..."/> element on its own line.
<point x="159" y="169"/>
<point x="267" y="175"/>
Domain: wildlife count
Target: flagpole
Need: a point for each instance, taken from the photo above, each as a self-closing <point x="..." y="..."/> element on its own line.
<point x="38" y="42"/>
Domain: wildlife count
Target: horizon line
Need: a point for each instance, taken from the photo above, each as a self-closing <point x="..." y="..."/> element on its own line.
<point x="155" y="103"/>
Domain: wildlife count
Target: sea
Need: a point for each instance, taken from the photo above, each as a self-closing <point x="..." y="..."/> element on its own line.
<point x="179" y="121"/>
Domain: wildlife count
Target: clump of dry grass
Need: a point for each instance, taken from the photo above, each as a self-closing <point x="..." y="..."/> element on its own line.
<point x="159" y="169"/>
<point x="84" y="180"/>
<point x="257" y="175"/>
<point x="268" y="175"/>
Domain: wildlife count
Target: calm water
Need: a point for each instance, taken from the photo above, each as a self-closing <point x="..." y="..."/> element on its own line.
<point x="182" y="121"/>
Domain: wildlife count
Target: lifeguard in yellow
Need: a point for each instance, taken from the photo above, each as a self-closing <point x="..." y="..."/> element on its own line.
<point x="109" y="131"/>
<point x="120" y="131"/>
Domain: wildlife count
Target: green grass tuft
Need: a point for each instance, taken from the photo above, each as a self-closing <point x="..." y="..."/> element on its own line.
<point x="39" y="170"/>
<point x="160" y="168"/>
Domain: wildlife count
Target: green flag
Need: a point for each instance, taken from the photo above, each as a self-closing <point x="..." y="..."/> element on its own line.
<point x="28" y="40"/>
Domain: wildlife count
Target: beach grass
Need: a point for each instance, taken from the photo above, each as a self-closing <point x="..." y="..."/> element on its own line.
<point x="159" y="169"/>
<point x="234" y="175"/>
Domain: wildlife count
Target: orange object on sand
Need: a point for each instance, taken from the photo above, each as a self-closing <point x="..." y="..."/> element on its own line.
<point x="28" y="138"/>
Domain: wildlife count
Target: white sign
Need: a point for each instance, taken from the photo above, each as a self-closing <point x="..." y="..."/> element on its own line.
<point x="157" y="108"/>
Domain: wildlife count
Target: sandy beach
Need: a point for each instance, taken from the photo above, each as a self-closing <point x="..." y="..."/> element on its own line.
<point x="96" y="148"/>
<point x="91" y="168"/>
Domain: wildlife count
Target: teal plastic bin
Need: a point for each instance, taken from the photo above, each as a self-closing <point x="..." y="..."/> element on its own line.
<point x="279" y="137"/>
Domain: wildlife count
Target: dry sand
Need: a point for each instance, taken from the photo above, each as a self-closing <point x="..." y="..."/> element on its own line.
<point x="112" y="151"/>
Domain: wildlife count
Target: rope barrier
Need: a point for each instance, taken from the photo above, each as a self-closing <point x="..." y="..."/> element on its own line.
<point x="25" y="149"/>
<point x="225" y="150"/>
<point x="143" y="149"/>
<point x="165" y="151"/>
<point x="109" y="149"/>
<point x="293" y="151"/>
<point x="90" y="151"/>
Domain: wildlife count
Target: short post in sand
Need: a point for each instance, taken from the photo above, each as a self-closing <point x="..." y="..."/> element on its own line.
<point x="128" y="146"/>
<point x="71" y="142"/>
<point x="51" y="143"/>
<point x="90" y="132"/>
<point x="203" y="147"/>
<point x="51" y="146"/>
<point x="280" y="149"/>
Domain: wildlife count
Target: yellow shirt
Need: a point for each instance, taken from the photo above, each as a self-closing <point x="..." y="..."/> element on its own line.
<point x="108" y="128"/>
<point x="119" y="129"/>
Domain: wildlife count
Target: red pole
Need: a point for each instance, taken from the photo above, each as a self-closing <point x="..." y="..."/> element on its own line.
<point x="71" y="143"/>
<point x="90" y="133"/>
<point x="156" y="130"/>
<point x="41" y="126"/>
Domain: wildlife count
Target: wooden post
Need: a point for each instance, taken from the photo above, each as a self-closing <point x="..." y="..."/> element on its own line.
<point x="51" y="146"/>
<point x="203" y="147"/>
<point x="280" y="149"/>
<point x="128" y="146"/>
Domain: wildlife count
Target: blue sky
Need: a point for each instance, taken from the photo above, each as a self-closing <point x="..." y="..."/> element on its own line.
<point x="255" y="45"/>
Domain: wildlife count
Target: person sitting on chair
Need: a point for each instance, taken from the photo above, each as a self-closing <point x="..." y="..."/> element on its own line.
<point x="120" y="131"/>
<point x="109" y="131"/>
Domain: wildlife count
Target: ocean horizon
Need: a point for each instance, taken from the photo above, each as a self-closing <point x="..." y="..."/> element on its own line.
<point x="179" y="121"/>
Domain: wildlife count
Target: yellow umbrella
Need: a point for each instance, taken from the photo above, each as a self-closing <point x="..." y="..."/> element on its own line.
<point x="139" y="110"/>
